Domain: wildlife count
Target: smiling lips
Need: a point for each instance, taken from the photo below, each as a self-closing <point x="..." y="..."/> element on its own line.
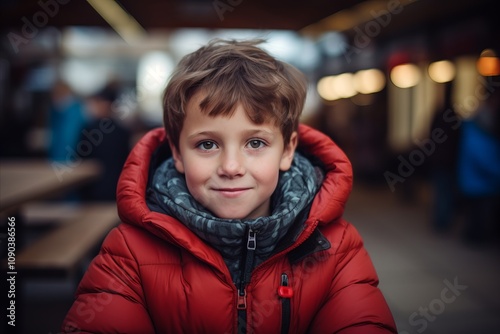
<point x="231" y="192"/>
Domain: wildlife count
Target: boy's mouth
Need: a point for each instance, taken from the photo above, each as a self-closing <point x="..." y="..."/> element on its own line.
<point x="231" y="192"/>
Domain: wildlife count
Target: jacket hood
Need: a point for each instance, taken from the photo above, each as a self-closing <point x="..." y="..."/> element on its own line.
<point x="327" y="206"/>
<point x="330" y="201"/>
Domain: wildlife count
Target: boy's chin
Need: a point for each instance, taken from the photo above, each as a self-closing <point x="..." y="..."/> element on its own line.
<point x="233" y="214"/>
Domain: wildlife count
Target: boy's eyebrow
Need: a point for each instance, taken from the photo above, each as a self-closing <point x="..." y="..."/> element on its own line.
<point x="246" y="133"/>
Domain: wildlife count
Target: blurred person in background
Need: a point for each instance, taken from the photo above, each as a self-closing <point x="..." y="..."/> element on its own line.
<point x="66" y="121"/>
<point x="479" y="169"/>
<point x="107" y="141"/>
<point x="443" y="164"/>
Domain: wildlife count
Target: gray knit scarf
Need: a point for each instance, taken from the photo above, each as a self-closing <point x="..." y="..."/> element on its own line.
<point x="295" y="191"/>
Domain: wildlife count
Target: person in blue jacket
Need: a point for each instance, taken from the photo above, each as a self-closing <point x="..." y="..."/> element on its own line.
<point x="66" y="121"/>
<point x="479" y="169"/>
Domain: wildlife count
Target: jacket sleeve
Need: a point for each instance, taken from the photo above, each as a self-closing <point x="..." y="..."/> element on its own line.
<point x="109" y="299"/>
<point x="354" y="305"/>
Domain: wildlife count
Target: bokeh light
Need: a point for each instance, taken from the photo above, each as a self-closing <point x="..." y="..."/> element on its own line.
<point x="405" y="75"/>
<point x="369" y="81"/>
<point x="442" y="71"/>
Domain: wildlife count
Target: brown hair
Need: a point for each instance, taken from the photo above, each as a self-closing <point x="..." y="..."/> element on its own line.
<point x="233" y="72"/>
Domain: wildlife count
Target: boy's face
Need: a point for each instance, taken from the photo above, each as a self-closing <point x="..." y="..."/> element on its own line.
<point x="231" y="164"/>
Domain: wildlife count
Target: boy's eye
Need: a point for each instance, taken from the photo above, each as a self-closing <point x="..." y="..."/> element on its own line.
<point x="256" y="143"/>
<point x="207" y="145"/>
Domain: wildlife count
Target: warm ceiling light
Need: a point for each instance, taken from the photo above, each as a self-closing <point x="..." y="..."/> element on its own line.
<point x="356" y="15"/>
<point x="122" y="22"/>
<point x="369" y="81"/>
<point x="325" y="88"/>
<point x="405" y="76"/>
<point x="344" y="86"/>
<point x="488" y="63"/>
<point x="442" y="71"/>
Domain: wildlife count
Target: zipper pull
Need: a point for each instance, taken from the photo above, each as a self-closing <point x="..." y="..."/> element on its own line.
<point x="252" y="240"/>
<point x="284" y="291"/>
<point x="242" y="300"/>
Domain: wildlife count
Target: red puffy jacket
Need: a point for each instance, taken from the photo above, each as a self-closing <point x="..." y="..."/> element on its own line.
<point x="153" y="275"/>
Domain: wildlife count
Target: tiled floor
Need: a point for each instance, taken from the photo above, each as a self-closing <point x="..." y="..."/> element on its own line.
<point x="433" y="284"/>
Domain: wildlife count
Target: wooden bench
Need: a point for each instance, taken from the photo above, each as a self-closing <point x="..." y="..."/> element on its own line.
<point x="62" y="251"/>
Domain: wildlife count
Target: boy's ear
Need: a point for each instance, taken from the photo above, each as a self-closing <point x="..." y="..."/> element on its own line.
<point x="288" y="152"/>
<point x="179" y="165"/>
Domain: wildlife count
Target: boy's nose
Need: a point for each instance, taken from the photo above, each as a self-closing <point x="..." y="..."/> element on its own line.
<point x="231" y="165"/>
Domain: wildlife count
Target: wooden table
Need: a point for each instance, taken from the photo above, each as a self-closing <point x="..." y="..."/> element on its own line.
<point x="60" y="251"/>
<point x="26" y="180"/>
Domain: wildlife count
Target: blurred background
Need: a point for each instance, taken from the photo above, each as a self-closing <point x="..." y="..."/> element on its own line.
<point x="407" y="88"/>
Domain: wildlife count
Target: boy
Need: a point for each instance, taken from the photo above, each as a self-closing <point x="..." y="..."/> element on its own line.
<point x="232" y="215"/>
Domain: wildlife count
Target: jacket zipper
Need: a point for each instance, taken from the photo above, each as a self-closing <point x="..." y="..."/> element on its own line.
<point x="242" y="295"/>
<point x="241" y="305"/>
<point x="285" y="292"/>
